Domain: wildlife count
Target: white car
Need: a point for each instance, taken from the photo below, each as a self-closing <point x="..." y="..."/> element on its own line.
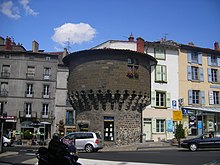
<point x="6" y="141"/>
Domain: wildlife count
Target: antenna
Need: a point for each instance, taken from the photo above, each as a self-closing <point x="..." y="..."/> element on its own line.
<point x="68" y="45"/>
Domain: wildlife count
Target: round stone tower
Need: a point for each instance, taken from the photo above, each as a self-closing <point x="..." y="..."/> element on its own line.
<point x="108" y="89"/>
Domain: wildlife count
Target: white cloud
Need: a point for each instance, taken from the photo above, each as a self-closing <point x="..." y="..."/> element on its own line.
<point x="8" y="9"/>
<point x="73" y="33"/>
<point x="27" y="8"/>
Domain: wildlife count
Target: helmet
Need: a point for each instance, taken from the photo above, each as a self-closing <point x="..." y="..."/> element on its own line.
<point x="56" y="136"/>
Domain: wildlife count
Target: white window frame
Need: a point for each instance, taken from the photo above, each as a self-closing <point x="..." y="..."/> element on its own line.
<point x="45" y="110"/>
<point x="161" y="73"/>
<point x="160" y="125"/>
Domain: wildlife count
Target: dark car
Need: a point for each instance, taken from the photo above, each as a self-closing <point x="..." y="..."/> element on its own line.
<point x="206" y="140"/>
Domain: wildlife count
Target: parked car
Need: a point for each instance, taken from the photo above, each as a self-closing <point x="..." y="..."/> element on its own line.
<point x="88" y="141"/>
<point x="206" y="140"/>
<point x="6" y="141"/>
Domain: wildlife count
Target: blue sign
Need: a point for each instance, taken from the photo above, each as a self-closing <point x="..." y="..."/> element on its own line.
<point x="169" y="125"/>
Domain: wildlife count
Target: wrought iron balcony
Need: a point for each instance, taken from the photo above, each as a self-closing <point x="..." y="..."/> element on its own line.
<point x="23" y="114"/>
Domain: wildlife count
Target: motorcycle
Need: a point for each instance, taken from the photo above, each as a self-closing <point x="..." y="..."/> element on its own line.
<point x="45" y="157"/>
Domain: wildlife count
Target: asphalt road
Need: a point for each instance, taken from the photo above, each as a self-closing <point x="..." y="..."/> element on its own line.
<point x="154" y="156"/>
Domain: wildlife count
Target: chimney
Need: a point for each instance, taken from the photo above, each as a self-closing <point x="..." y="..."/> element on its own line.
<point x="8" y="43"/>
<point x="131" y="38"/>
<point x="35" y="46"/>
<point x="191" y="44"/>
<point x="2" y="41"/>
<point x="65" y="52"/>
<point x="216" y="45"/>
<point x="140" y="45"/>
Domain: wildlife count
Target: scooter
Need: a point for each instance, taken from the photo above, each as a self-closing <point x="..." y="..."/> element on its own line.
<point x="46" y="158"/>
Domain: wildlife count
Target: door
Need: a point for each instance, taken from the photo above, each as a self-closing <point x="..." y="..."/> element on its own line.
<point x="147" y="130"/>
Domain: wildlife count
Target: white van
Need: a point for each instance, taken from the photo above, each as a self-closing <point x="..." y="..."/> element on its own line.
<point x="6" y="141"/>
<point x="88" y="141"/>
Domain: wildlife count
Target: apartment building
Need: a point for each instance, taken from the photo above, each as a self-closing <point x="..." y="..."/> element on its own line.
<point x="157" y="118"/>
<point x="31" y="83"/>
<point x="199" y="88"/>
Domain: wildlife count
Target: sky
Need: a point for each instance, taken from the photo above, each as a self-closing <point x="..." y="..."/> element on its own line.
<point x="82" y="24"/>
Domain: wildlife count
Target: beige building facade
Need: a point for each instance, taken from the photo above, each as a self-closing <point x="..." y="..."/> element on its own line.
<point x="199" y="88"/>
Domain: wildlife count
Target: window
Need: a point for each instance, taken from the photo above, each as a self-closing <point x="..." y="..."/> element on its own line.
<point x="160" y="53"/>
<point x="30" y="71"/>
<point x="69" y="118"/>
<point x="5" y="71"/>
<point x="161" y="73"/>
<point x="213" y="97"/>
<point x="133" y="65"/>
<point x="160" y="125"/>
<point x="45" y="110"/>
<point x="194" y="57"/>
<point x="4" y="89"/>
<point x="28" y="109"/>
<point x="195" y="73"/>
<point x="29" y="91"/>
<point x="47" y="58"/>
<point x="213" y="60"/>
<point x="46" y="91"/>
<point x="47" y="73"/>
<point x="196" y="97"/>
<point x="160" y="99"/>
<point x="213" y="75"/>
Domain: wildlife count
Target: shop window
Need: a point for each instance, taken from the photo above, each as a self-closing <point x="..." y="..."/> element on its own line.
<point x="108" y="128"/>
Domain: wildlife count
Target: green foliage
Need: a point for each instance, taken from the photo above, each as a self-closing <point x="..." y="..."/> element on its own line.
<point x="28" y="135"/>
<point x="180" y="133"/>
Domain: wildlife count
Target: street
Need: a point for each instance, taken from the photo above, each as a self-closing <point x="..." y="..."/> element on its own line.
<point x="153" y="156"/>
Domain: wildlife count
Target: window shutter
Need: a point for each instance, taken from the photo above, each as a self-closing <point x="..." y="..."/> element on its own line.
<point x="158" y="73"/>
<point x="201" y="74"/>
<point x="218" y="75"/>
<point x="209" y="60"/>
<point x="154" y="126"/>
<point x="202" y="95"/>
<point x="189" y="72"/>
<point x="218" y="61"/>
<point x="189" y="54"/>
<point x="211" y="98"/>
<point x="164" y="73"/>
<point x="168" y="100"/>
<point x="190" y="97"/>
<point x="200" y="58"/>
<point x="153" y="98"/>
<point x="209" y="75"/>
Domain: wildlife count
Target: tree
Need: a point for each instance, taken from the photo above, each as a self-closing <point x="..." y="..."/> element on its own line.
<point x="180" y="133"/>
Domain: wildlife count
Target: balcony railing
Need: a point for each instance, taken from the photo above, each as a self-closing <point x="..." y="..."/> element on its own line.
<point x="47" y="77"/>
<point x="30" y="75"/>
<point x="46" y="95"/>
<point x="23" y="114"/>
<point x="3" y="93"/>
<point x="5" y="74"/>
<point x="29" y="94"/>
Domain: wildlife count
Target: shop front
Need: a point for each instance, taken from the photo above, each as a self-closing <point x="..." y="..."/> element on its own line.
<point x="198" y="120"/>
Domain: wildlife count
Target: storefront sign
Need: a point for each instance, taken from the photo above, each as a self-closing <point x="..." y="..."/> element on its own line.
<point x="177" y="115"/>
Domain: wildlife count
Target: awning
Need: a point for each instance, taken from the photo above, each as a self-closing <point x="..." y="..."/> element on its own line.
<point x="205" y="109"/>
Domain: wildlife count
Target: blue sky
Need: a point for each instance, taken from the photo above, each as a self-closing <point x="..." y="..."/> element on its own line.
<point x="87" y="23"/>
